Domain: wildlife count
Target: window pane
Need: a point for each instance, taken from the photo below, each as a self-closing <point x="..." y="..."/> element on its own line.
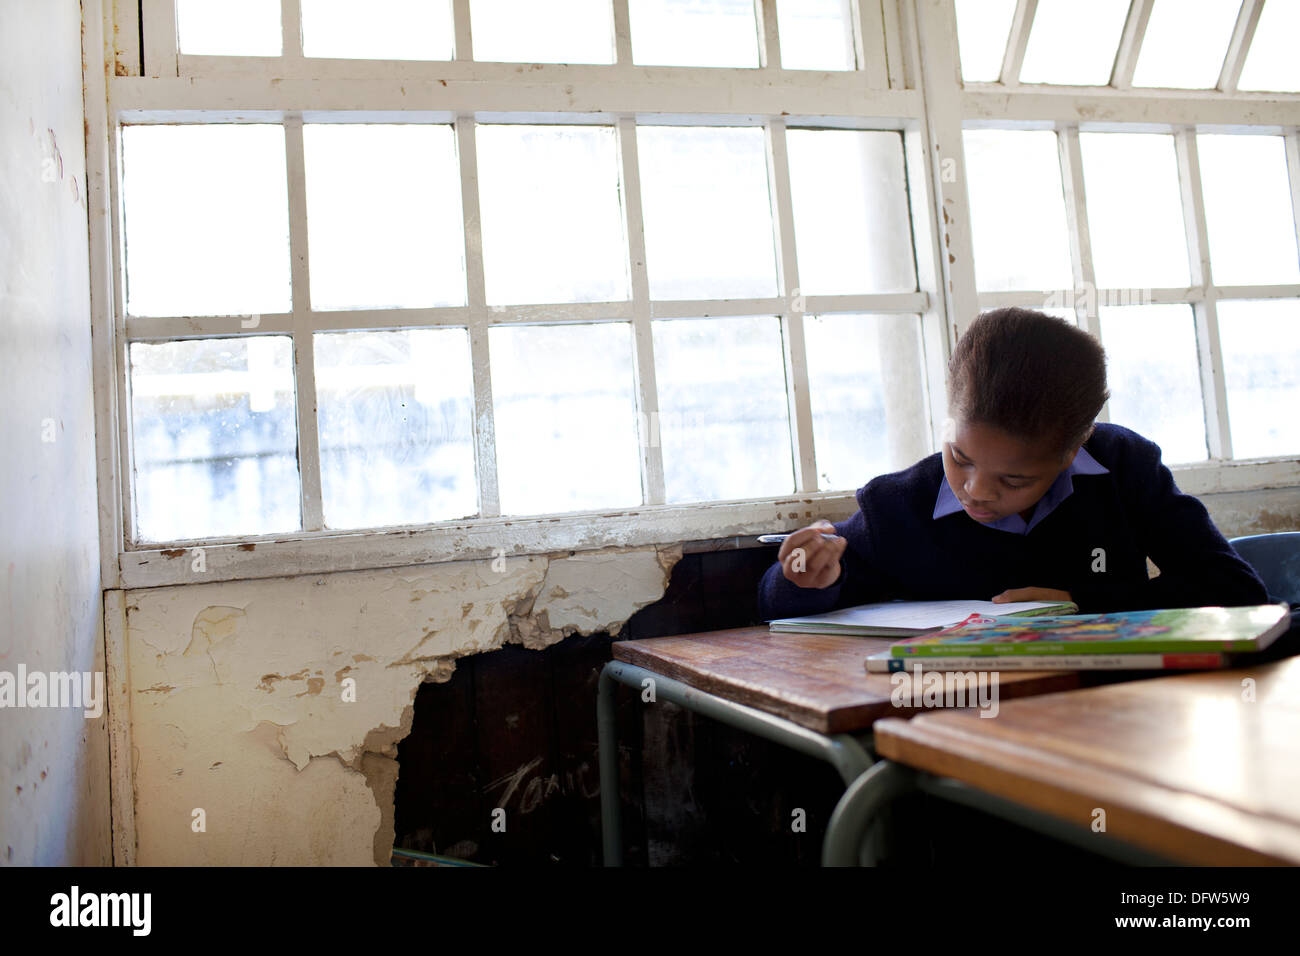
<point x="552" y="226"/>
<point x="1248" y="209"/>
<point x="384" y="221"/>
<point x="1174" y="55"/>
<point x="724" y="425"/>
<point x="851" y="223"/>
<point x="849" y="372"/>
<point x="1135" y="211"/>
<point x="708" y="215"/>
<point x="982" y="29"/>
<point x="815" y="34"/>
<point x="1153" y="373"/>
<point x="1017" y="210"/>
<point x="222" y="249"/>
<point x="566" y="424"/>
<point x="1271" y="63"/>
<point x="1261" y="362"/>
<point x="228" y="27"/>
<point x="1074" y="43"/>
<point x="694" y="32"/>
<point x="377" y="30"/>
<point x="395" y="416"/>
<point x="214" y="438"/>
<point x="529" y="31"/>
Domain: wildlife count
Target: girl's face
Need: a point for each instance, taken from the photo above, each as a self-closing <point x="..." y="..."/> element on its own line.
<point x="994" y="474"/>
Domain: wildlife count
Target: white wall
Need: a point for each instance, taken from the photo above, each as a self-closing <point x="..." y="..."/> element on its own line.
<point x="53" y="762"/>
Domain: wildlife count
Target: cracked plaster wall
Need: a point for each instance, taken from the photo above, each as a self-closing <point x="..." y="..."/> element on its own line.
<point x="236" y="692"/>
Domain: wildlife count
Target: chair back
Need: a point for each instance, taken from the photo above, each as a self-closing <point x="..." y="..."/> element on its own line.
<point x="1276" y="559"/>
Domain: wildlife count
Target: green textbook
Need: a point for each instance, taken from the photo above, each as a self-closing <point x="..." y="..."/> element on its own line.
<point x="1170" y="631"/>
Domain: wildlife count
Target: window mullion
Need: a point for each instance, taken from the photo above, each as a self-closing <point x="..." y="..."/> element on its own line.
<point x="1130" y="44"/>
<point x="160" y="37"/>
<point x="769" y="44"/>
<point x="929" y="276"/>
<point x="1214" y="394"/>
<point x="1076" y="218"/>
<point x="1239" y="46"/>
<point x="291" y="29"/>
<point x="946" y="164"/>
<point x="622" y="34"/>
<point x="795" y="347"/>
<point x="485" y="444"/>
<point x="464" y="42"/>
<point x="1017" y="40"/>
<point x="121" y="342"/>
<point x="1292" y="143"/>
<point x="869" y="43"/>
<point x="902" y="73"/>
<point x="646" y="385"/>
<point x="304" y="346"/>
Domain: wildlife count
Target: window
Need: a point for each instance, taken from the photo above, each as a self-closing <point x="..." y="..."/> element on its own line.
<point x="440" y="276"/>
<point x="1168" y="235"/>
<point x="498" y="308"/>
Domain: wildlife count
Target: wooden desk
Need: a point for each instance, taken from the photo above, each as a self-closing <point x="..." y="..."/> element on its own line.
<point x="1182" y="765"/>
<point x="805" y="691"/>
<point x="814" y="680"/>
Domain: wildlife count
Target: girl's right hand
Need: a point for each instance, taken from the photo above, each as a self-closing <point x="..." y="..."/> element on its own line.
<point x="809" y="560"/>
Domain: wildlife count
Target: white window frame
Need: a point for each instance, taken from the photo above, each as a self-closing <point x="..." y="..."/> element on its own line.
<point x="1009" y="104"/>
<point x="910" y="82"/>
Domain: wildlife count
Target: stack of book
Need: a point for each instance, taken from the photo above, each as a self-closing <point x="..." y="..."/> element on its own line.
<point x="958" y="635"/>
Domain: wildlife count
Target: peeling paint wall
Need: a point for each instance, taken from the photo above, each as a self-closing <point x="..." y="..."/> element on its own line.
<point x="237" y="692"/>
<point x="53" y="761"/>
<point x="1266" y="511"/>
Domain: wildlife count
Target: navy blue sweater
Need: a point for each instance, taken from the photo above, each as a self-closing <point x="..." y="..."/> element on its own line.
<point x="896" y="549"/>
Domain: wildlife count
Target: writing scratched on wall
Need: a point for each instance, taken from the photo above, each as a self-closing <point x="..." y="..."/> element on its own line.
<point x="534" y="788"/>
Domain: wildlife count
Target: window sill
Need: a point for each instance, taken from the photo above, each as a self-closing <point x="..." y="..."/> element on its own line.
<point x="696" y="527"/>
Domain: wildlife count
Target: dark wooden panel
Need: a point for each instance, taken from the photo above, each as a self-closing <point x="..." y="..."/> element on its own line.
<point x="438" y="805"/>
<point x="516" y="743"/>
<point x="574" y="666"/>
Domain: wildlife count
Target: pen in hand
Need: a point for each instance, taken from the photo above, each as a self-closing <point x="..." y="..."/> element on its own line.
<point x="818" y="560"/>
<point x="778" y="538"/>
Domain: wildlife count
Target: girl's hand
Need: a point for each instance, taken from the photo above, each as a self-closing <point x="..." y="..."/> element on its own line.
<point x="1032" y="594"/>
<point x="808" y="559"/>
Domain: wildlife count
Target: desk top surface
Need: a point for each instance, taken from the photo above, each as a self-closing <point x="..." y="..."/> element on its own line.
<point x="815" y="680"/>
<point x="1187" y="765"/>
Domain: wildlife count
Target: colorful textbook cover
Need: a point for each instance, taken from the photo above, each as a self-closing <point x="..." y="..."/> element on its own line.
<point x="1170" y="631"/>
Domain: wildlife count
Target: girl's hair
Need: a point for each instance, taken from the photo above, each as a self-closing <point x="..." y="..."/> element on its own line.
<point x="1033" y="376"/>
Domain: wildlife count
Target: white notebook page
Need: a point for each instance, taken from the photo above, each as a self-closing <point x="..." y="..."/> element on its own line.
<point x="918" y="614"/>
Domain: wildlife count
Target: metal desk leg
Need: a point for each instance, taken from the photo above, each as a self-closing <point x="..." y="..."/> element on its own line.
<point x="850" y="755"/>
<point x="611" y="810"/>
<point x="865" y="797"/>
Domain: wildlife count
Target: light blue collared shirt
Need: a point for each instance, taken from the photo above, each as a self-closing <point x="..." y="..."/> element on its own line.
<point x="1062" y="488"/>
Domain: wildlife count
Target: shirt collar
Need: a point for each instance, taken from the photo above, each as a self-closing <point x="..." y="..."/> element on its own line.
<point x="1061" y="488"/>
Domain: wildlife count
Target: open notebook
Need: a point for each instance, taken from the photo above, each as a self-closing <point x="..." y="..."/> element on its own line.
<point x="909" y="618"/>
